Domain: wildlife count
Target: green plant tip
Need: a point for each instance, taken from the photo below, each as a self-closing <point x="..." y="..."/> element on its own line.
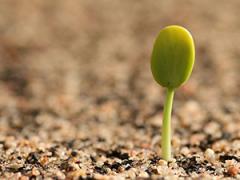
<point x="173" y="56"/>
<point x="172" y="62"/>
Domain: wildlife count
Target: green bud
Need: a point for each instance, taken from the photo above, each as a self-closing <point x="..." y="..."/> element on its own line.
<point x="173" y="56"/>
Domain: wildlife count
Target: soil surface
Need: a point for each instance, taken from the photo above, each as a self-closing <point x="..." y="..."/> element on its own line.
<point x="78" y="101"/>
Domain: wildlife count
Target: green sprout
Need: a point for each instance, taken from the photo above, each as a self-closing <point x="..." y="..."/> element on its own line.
<point x="172" y="61"/>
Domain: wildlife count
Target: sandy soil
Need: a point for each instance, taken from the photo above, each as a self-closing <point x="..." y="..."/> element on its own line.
<point x="77" y="98"/>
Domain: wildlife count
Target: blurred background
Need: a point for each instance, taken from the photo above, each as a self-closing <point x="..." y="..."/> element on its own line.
<point x="84" y="60"/>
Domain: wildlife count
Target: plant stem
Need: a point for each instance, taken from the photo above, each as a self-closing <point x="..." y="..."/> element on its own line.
<point x="166" y="126"/>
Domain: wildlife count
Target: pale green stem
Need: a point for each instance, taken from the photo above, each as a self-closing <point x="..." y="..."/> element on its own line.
<point x="166" y="126"/>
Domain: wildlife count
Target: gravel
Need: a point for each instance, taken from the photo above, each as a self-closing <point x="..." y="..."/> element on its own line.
<point x="78" y="101"/>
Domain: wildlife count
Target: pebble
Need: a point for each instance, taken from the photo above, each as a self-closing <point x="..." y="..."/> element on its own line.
<point x="212" y="128"/>
<point x="143" y="174"/>
<point x="188" y="111"/>
<point x="44" y="160"/>
<point x="99" y="176"/>
<point x="232" y="171"/>
<point x="185" y="151"/>
<point x="235" y="145"/>
<point x="162" y="162"/>
<point x="77" y="173"/>
<point x="35" y="172"/>
<point x="210" y="155"/>
<point x="131" y="173"/>
<point x="195" y="139"/>
<point x="176" y="142"/>
<point x="15" y="166"/>
<point x="221" y="146"/>
<point x="23" y="178"/>
<point x="60" y="175"/>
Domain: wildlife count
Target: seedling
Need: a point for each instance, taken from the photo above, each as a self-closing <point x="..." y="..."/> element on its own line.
<point x="172" y="61"/>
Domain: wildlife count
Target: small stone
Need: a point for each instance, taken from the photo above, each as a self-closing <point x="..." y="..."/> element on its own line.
<point x="210" y="155"/>
<point x="212" y="128"/>
<point x="133" y="152"/>
<point x="10" y="142"/>
<point x="121" y="169"/>
<point x="188" y="111"/>
<point x="77" y="173"/>
<point x="173" y="160"/>
<point x="15" y="166"/>
<point x="35" y="172"/>
<point x="221" y="145"/>
<point x="195" y="139"/>
<point x="146" y="145"/>
<point x="162" y="162"/>
<point x="235" y="146"/>
<point x="233" y="171"/>
<point x="143" y="174"/>
<point x="231" y="162"/>
<point x="74" y="153"/>
<point x="131" y="173"/>
<point x="44" y="160"/>
<point x="23" y="178"/>
<point x="185" y="151"/>
<point x="60" y="175"/>
<point x="176" y="142"/>
<point x="219" y="171"/>
<point x="99" y="176"/>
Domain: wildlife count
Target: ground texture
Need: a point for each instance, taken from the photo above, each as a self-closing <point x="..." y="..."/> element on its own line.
<point x="78" y="101"/>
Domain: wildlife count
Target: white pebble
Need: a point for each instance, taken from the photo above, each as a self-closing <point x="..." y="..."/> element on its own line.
<point x="210" y="155"/>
